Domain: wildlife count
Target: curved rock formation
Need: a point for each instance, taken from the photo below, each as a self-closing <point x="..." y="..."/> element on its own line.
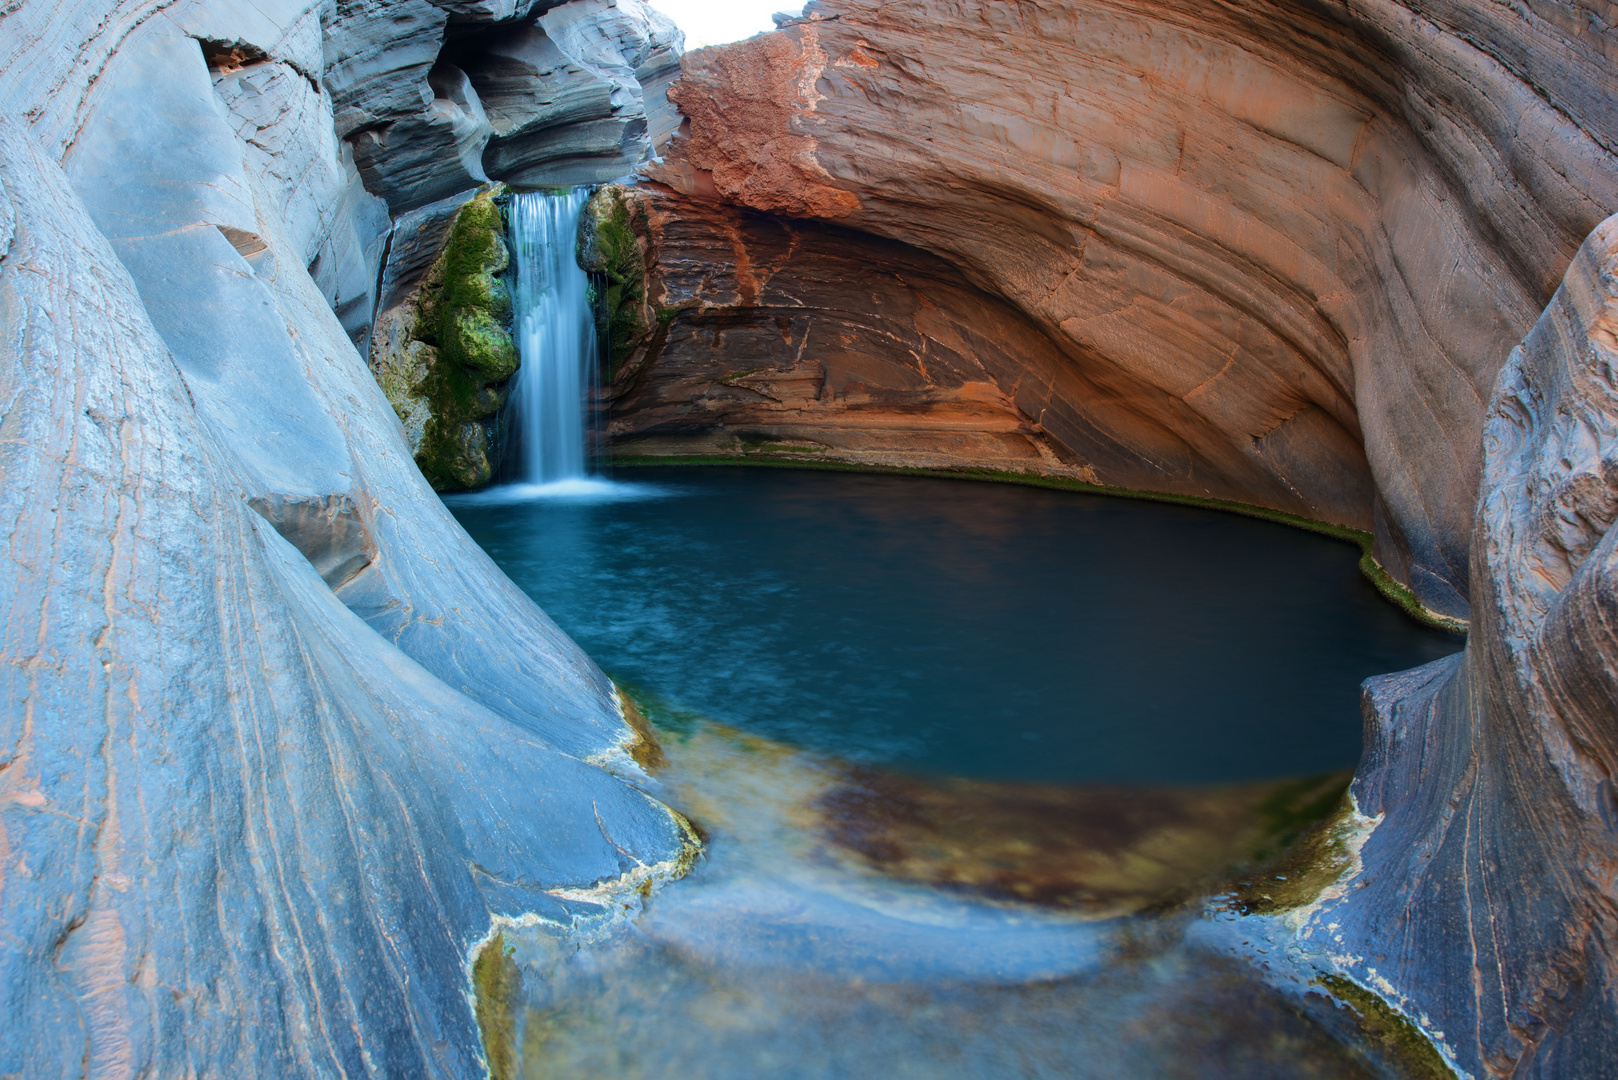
<point x="278" y="743"/>
<point x="1277" y="253"/>
<point x="1280" y="249"/>
<point x="1487" y="902"/>
<point x="437" y="97"/>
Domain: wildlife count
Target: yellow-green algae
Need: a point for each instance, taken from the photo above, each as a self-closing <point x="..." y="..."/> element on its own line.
<point x="1389" y="1033"/>
<point x="497" y="990"/>
<point x="464" y="312"/>
<point x="774" y="455"/>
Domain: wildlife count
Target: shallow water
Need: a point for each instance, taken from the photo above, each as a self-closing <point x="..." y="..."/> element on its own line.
<point x="783" y="954"/>
<point x="968" y="759"/>
<point x="963" y="628"/>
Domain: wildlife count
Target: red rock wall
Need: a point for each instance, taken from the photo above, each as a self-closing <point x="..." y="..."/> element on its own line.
<point x="1270" y="252"/>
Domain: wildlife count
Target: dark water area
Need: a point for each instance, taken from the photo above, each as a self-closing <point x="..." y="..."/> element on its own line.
<point x="962" y="628"/>
<point x="993" y="780"/>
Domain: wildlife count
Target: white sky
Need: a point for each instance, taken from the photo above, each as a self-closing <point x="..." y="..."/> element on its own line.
<point x="714" y="22"/>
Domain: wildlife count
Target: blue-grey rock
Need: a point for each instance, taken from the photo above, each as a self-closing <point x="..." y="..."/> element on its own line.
<point x="574" y="93"/>
<point x="566" y="102"/>
<point x="1485" y="905"/>
<point x="278" y="743"/>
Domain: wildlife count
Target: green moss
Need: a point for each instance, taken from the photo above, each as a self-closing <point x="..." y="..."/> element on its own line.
<point x="610" y="250"/>
<point x="1388" y="1033"/>
<point x="1373" y="570"/>
<point x="464" y="311"/>
<point x="497" y="989"/>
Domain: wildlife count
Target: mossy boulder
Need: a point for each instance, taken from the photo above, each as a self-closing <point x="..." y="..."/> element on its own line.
<point x="613" y="239"/>
<point x="445" y="356"/>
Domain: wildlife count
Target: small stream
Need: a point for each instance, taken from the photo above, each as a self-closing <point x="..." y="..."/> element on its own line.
<point x="970" y="761"/>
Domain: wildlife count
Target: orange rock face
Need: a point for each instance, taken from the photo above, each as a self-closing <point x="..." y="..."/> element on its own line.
<point x="1275" y="252"/>
<point x="1270" y="252"/>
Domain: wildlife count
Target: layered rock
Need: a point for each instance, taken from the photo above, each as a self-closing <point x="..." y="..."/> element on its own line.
<point x="1274" y="253"/>
<point x="1284" y="247"/>
<point x="577" y="96"/>
<point x="754" y="334"/>
<point x="437" y="97"/>
<point x="278" y="743"/>
<point x="1486" y="900"/>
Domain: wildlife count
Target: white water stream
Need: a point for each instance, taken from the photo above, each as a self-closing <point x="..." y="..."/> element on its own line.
<point x="555" y="330"/>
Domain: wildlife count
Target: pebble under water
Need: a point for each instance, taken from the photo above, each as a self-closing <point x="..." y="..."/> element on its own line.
<point x="993" y="780"/>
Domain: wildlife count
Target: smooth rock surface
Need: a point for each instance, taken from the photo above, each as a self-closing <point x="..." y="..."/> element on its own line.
<point x="1486" y="904"/>
<point x="277" y="742"/>
<point x="1273" y="231"/>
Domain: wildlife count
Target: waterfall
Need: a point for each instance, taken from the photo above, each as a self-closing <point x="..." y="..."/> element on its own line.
<point x="556" y="339"/>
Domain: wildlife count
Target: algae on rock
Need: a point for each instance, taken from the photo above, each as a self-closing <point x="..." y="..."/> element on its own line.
<point x="611" y="238"/>
<point x="497" y="983"/>
<point x="445" y="357"/>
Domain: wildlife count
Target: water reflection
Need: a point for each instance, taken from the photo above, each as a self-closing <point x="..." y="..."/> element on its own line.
<point x="971" y="629"/>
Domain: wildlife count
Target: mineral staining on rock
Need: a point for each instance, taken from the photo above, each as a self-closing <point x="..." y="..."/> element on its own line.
<point x="1217" y="251"/>
<point x="445" y="356"/>
<point x="497" y="989"/>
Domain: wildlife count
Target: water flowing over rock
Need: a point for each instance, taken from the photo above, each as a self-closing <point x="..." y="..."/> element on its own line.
<point x="278" y="743"/>
<point x="555" y="332"/>
<point x="279" y="746"/>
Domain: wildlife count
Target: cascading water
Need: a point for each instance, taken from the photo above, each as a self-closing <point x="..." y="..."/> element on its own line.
<point x="555" y="337"/>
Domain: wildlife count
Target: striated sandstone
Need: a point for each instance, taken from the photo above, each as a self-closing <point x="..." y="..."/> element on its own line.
<point x="1280" y="231"/>
<point x="1487" y="907"/>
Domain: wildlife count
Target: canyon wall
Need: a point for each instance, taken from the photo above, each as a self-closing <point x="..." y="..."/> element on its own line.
<point x="1282" y="253"/>
<point x="1485" y="900"/>
<point x="278" y="743"/>
<point x="1271" y="252"/>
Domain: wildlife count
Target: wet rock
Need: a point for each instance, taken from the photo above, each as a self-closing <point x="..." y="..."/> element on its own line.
<point x="1099" y="851"/>
<point x="444" y="353"/>
<point x="1485" y="907"/>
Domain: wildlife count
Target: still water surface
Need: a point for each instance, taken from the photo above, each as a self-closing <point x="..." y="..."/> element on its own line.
<point x="962" y="628"/>
<point x="931" y="731"/>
